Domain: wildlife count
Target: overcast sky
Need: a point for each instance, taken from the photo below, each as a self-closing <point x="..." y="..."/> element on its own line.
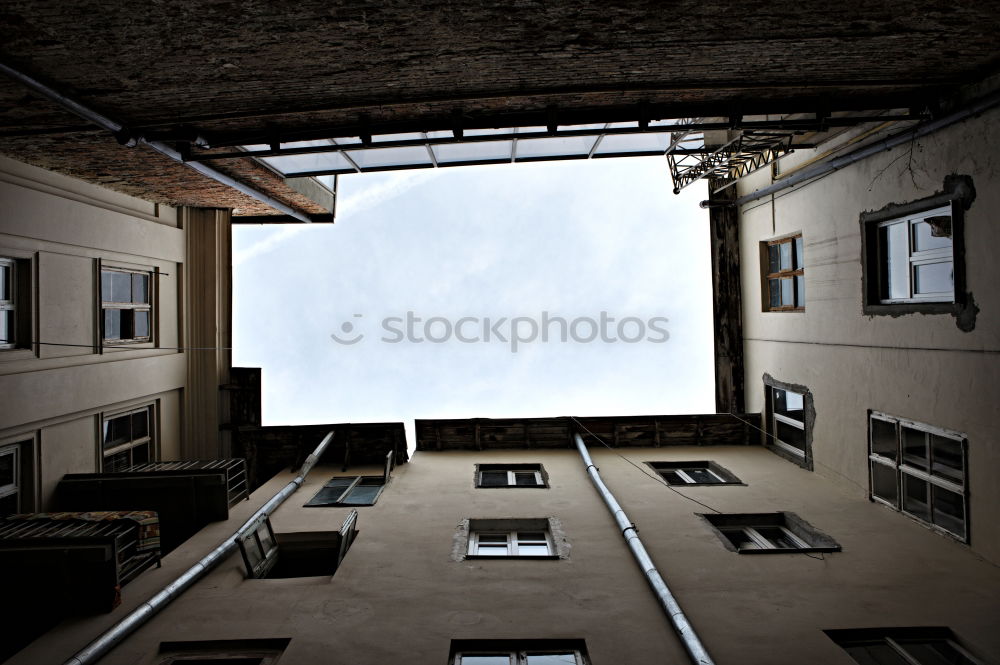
<point x="571" y="239"/>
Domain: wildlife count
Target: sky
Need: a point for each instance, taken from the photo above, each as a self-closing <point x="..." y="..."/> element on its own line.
<point x="543" y="289"/>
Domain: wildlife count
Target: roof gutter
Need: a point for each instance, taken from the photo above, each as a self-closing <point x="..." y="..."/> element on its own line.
<point x="822" y="168"/>
<point x="685" y="631"/>
<point x="110" y="638"/>
<point x="125" y="137"/>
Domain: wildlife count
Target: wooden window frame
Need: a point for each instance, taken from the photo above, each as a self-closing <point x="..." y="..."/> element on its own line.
<point x="797" y="259"/>
<point x="131" y="305"/>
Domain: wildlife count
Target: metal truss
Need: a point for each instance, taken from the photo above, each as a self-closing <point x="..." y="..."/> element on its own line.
<point x="744" y="154"/>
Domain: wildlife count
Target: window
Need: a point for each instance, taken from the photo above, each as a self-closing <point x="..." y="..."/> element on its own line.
<point x="307" y="554"/>
<point x="788" y="414"/>
<point x="913" y="255"/>
<point x="694" y="473"/>
<point x="349" y="491"/>
<point x="10" y="479"/>
<point x="509" y="475"/>
<point x="772" y="533"/>
<point x="902" y="646"/>
<point x="915" y="258"/>
<point x="15" y="299"/>
<point x="784" y="283"/>
<point x="127" y="439"/>
<point x="518" y="652"/>
<point x="125" y="306"/>
<point x="222" y="652"/>
<point x="920" y="470"/>
<point x="537" y="538"/>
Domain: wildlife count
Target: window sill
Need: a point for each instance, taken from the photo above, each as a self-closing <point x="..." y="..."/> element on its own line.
<point x="802" y="550"/>
<point x="512" y="487"/>
<point x="897" y="309"/>
<point x="533" y="557"/>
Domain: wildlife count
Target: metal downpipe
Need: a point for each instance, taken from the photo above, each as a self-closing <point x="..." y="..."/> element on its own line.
<point x="823" y="168"/>
<point x="107" y="640"/>
<point x="695" y="649"/>
<point x="125" y="137"/>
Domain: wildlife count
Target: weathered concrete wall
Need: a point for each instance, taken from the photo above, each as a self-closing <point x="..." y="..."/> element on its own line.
<point x="917" y="366"/>
<point x="400" y="596"/>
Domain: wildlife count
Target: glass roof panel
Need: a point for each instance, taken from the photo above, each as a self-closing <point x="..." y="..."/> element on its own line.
<point x="532" y="130"/>
<point x="486" y="132"/>
<point x="444" y="134"/>
<point x="409" y="136"/>
<point x="575" y="128"/>
<point x="469" y="152"/>
<point x="378" y="157"/>
<point x="556" y="146"/>
<point x="317" y="161"/>
<point x="650" y="142"/>
<point x="618" y="125"/>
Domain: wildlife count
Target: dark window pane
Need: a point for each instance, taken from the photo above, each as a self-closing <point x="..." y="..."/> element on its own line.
<point x="946" y="458"/>
<point x="116" y="462"/>
<point x="915" y="497"/>
<point x="949" y="510"/>
<point x="673" y="478"/>
<point x="786" y="255"/>
<point x="8" y="474"/>
<point x="331" y="491"/>
<point x="493" y="479"/>
<point x="787" y="403"/>
<point x="777" y="537"/>
<point x="774" y="286"/>
<point x="8" y="504"/>
<point x="493" y="538"/>
<point x="914" y="447"/>
<point x="875" y="654"/>
<point x="121" y="287"/>
<point x="793" y="436"/>
<point x="787" y="292"/>
<point x="800" y="291"/>
<point x="799" y="258"/>
<point x="702" y="476"/>
<point x="935" y="652"/>
<point x="117" y="431"/>
<point x="934" y="278"/>
<point x="774" y="261"/>
<point x="884" y="438"/>
<point x="884" y="483"/>
<point x="531" y="535"/>
<point x="362" y="495"/>
<point x="140" y="288"/>
<point x="141" y="323"/>
<point x="567" y="658"/>
<point x="128" y="323"/>
<point x="740" y="539"/>
<point x="140" y="424"/>
<point x="525" y="478"/>
<point x="112" y="324"/>
<point x="140" y="454"/>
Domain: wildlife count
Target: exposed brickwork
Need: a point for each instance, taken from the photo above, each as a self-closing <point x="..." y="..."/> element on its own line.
<point x="229" y="65"/>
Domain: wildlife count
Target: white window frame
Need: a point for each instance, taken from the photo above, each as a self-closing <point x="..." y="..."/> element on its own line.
<point x="916" y="258"/>
<point x="15" y="487"/>
<point x="763" y="543"/>
<point x="897" y="643"/>
<point x="691" y="481"/>
<point x="511" y="477"/>
<point x="791" y="422"/>
<point x="519" y="657"/>
<point x="901" y="468"/>
<point x="147" y="306"/>
<point x="149" y="439"/>
<point x="512" y="542"/>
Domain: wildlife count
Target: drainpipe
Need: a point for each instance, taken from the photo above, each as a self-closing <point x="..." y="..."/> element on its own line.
<point x="125" y="137"/>
<point x="823" y="168"/>
<point x="110" y="638"/>
<point x="695" y="649"/>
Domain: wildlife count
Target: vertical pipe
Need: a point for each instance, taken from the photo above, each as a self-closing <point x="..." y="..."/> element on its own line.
<point x="695" y="649"/>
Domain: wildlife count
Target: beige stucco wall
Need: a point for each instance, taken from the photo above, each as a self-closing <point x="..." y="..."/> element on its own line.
<point x="399" y="596"/>
<point x="57" y="391"/>
<point x="916" y="366"/>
